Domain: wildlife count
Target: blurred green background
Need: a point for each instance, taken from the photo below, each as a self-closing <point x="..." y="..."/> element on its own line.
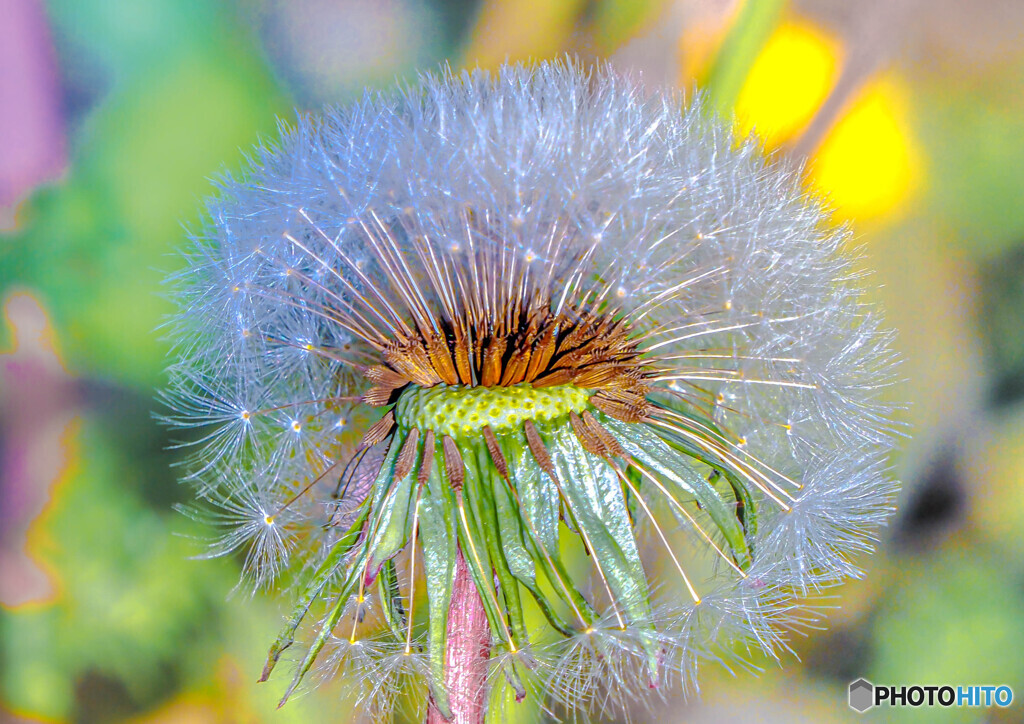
<point x="114" y="116"/>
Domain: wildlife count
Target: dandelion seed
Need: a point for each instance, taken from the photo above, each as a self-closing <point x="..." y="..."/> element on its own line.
<point x="489" y="315"/>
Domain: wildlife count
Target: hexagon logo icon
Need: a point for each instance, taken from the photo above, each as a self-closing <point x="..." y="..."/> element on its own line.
<point x="862" y="695"/>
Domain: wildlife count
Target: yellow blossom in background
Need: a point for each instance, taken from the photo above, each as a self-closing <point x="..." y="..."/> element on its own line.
<point x="519" y="30"/>
<point x="867" y="164"/>
<point x="790" y="79"/>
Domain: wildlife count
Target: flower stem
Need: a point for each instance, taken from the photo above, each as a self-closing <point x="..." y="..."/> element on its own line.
<point x="466" y="654"/>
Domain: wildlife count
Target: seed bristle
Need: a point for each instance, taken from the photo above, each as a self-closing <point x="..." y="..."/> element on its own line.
<point x="624" y="405"/>
<point x="453" y="465"/>
<point x="407" y="455"/>
<point x="495" y="451"/>
<point x="379" y="431"/>
<point x="590" y="442"/>
<point x="427" y="459"/>
<point x="378" y="396"/>
<point x="606" y="438"/>
<point x="540" y="453"/>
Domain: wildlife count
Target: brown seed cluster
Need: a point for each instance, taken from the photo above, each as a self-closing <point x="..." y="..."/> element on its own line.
<point x="530" y="344"/>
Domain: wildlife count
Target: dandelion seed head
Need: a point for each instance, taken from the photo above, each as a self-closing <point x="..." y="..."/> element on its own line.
<point x="495" y="313"/>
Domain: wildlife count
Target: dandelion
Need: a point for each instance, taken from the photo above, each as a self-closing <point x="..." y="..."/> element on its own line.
<point x="463" y="353"/>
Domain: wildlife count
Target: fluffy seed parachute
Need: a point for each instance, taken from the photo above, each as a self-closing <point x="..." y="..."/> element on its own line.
<point x="540" y="323"/>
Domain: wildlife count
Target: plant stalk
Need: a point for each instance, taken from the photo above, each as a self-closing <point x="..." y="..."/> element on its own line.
<point x="466" y="653"/>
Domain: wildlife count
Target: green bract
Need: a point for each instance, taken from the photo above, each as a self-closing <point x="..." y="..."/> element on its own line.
<point x="524" y="478"/>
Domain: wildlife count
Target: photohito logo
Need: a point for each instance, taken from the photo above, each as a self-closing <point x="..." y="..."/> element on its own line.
<point x="865" y="695"/>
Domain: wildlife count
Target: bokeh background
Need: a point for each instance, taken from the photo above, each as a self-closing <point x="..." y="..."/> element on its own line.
<point x="115" y="115"/>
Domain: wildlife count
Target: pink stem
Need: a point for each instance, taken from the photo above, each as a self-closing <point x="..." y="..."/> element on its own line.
<point x="467" y="652"/>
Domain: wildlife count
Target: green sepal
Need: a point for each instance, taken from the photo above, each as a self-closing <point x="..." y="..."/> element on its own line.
<point x="318" y="644"/>
<point x="387" y="514"/>
<point x="437" y="532"/>
<point x="538" y="506"/>
<point x="314" y="587"/>
<point x="746" y="510"/>
<point x="474" y="550"/>
<point x="495" y="529"/>
<point x="680" y="478"/>
<point x="594" y="496"/>
<point x="537" y="493"/>
<point x="688" y="447"/>
<point x="383" y="483"/>
<point x="391" y="512"/>
<point x="510" y="526"/>
<point x="550" y="613"/>
<point x="391" y="598"/>
<point x="521" y="553"/>
<point x="632" y="504"/>
<point x="475" y="553"/>
<point x="498" y="529"/>
<point x="480" y="558"/>
<point x="478" y="496"/>
<point x="565" y="588"/>
<point x="355" y="572"/>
